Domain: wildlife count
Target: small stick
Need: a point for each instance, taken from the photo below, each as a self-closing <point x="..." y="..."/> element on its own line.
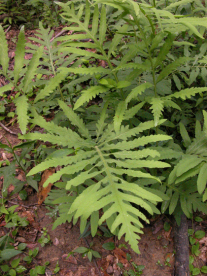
<point x="8" y="130"/>
<point x="59" y="34"/>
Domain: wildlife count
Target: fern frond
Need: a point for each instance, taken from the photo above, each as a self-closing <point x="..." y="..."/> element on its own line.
<point x="5" y="88"/>
<point x="53" y="128"/>
<point x="130" y="113"/>
<point x="67" y="160"/>
<point x="164" y="50"/>
<point x="137" y="154"/>
<point x="19" y="55"/>
<point x="202" y="179"/>
<point x="187" y="93"/>
<point x="87" y="71"/>
<point x="177" y="4"/>
<point x="89" y="94"/>
<point x="31" y="70"/>
<point x="21" y="110"/>
<point x="51" y="86"/>
<point x="4" y="58"/>
<point x="171" y="67"/>
<point x="101" y="122"/>
<point x="116" y="39"/>
<point x="138" y="91"/>
<point x="103" y="26"/>
<point x="75" y="119"/>
<point x="157" y="107"/>
<point x="119" y="115"/>
<point x="170" y="103"/>
<point x="131" y="65"/>
<point x="80" y="52"/>
<point x="185" y="135"/>
<point x="142" y="141"/>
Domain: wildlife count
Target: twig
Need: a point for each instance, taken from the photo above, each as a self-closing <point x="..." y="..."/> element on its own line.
<point x="8" y="130"/>
<point x="13" y="120"/>
<point x="59" y="34"/>
<point x="8" y="29"/>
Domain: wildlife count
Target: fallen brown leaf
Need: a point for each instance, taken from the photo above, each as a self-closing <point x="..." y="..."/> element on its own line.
<point x="120" y="255"/>
<point x="43" y="191"/>
<point x="71" y="259"/>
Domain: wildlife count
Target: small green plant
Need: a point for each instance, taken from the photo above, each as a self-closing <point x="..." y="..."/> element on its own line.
<point x="167" y="262"/>
<point x="8" y="169"/>
<point x="45" y="238"/>
<point x="90" y="253"/>
<point x="136" y="269"/>
<point x="193" y="239"/>
<point x="159" y="263"/>
<point x="57" y="268"/>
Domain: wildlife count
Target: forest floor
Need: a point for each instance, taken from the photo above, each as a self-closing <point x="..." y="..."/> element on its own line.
<point x="156" y="244"/>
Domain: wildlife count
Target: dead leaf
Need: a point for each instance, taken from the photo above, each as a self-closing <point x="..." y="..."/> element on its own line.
<point x="70" y="259"/>
<point x="166" y="235"/>
<point x="203" y="254"/>
<point x="203" y="241"/>
<point x="20" y="239"/>
<point x="31" y="245"/>
<point x="28" y="215"/>
<point x="64" y="272"/>
<point x="120" y="255"/>
<point x="56" y="242"/>
<point x="43" y="191"/>
<point x="11" y="188"/>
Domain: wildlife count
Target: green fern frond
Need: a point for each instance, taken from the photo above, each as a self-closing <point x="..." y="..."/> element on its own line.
<point x="21" y="110"/>
<point x="5" y="88"/>
<point x="51" y="86"/>
<point x="170" y="103"/>
<point x="80" y="52"/>
<point x="103" y="26"/>
<point x="53" y="128"/>
<point x="131" y="65"/>
<point x="89" y="94"/>
<point x="171" y="67"/>
<point x="119" y="115"/>
<point x="142" y="141"/>
<point x="87" y="71"/>
<point x="157" y="106"/>
<point x="31" y="70"/>
<point x="138" y="91"/>
<point x="164" y="50"/>
<point x="4" y="58"/>
<point x="187" y="93"/>
<point x="75" y="119"/>
<point x="185" y="135"/>
<point x="19" y="55"/>
<point x="177" y="4"/>
<point x="116" y="39"/>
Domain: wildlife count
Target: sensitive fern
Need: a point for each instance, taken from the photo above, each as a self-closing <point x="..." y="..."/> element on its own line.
<point x="106" y="159"/>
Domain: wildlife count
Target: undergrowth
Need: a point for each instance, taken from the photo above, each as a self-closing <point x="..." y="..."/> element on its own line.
<point x="128" y="91"/>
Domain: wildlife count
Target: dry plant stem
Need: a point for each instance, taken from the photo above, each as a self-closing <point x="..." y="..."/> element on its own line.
<point x="57" y="35"/>
<point x="8" y="130"/>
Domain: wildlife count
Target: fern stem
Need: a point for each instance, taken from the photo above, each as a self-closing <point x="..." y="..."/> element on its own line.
<point x="54" y="72"/>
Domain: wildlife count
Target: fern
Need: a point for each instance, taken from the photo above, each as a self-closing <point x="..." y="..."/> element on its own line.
<point x="95" y="159"/>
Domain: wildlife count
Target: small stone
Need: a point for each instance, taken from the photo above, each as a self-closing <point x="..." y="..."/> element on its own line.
<point x="110" y="269"/>
<point x="56" y="242"/>
<point x="20" y="239"/>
